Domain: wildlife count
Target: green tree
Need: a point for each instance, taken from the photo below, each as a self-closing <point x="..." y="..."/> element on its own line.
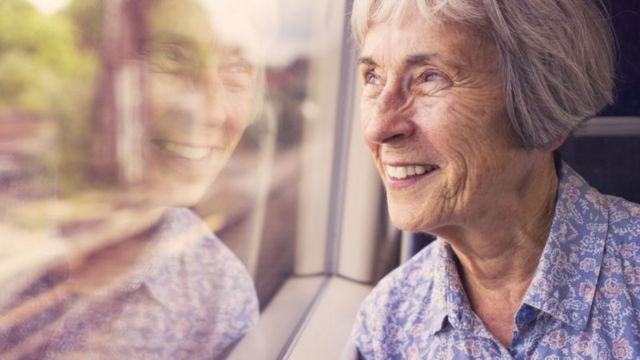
<point x="47" y="73"/>
<point x="38" y="58"/>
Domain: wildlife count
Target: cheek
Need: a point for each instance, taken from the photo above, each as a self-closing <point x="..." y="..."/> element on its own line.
<point x="239" y="109"/>
<point x="482" y="157"/>
<point x="475" y="126"/>
<point x="161" y="87"/>
<point x="365" y="121"/>
<point x="466" y="136"/>
<point x="165" y="94"/>
<point x="450" y="128"/>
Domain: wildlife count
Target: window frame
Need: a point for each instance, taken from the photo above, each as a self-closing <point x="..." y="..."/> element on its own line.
<point x="326" y="291"/>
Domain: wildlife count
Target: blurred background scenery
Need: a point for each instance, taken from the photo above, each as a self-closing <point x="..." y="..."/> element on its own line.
<point x="52" y="127"/>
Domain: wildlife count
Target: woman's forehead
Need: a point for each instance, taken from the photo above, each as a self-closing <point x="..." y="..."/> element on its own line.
<point x="391" y="41"/>
<point x="231" y="24"/>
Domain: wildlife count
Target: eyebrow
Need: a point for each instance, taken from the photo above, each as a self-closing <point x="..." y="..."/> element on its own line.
<point x="420" y="59"/>
<point x="366" y="60"/>
<point x="167" y="36"/>
<point x="234" y="50"/>
<point x="414" y="60"/>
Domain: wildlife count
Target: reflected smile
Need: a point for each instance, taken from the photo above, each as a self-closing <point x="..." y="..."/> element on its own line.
<point x="408" y="171"/>
<point x="189" y="152"/>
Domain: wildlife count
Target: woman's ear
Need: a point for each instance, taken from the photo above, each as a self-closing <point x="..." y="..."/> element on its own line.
<point x="554" y="143"/>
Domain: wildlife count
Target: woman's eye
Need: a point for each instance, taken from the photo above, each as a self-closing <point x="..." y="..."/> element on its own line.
<point x="430" y="76"/>
<point x="431" y="82"/>
<point x="172" y="58"/>
<point x="237" y="72"/>
<point x="370" y="77"/>
<point x="236" y="66"/>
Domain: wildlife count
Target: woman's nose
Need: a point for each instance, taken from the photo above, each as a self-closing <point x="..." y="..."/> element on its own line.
<point x="388" y="118"/>
<point x="215" y="99"/>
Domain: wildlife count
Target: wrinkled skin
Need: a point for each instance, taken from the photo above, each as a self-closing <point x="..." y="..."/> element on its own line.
<point x="433" y="95"/>
<point x="199" y="90"/>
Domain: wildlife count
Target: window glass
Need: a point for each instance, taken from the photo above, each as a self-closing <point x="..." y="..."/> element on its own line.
<point x="165" y="166"/>
<point x="270" y="204"/>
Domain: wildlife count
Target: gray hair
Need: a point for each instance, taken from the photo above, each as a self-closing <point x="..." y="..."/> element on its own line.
<point x="557" y="57"/>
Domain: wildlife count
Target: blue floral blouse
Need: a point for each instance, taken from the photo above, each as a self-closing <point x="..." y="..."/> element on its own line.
<point x="583" y="302"/>
<point x="187" y="297"/>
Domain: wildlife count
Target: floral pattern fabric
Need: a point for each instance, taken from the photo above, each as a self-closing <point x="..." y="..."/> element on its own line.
<point x="187" y="297"/>
<point x="583" y="302"/>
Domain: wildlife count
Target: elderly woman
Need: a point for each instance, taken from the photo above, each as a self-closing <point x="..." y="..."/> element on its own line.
<point x="463" y="106"/>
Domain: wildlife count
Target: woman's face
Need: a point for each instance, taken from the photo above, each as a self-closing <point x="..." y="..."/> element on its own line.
<point x="434" y="118"/>
<point x="200" y="90"/>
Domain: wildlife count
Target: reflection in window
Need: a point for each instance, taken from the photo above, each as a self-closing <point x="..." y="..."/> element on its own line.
<point x="271" y="201"/>
<point x="115" y="118"/>
<point x="110" y="132"/>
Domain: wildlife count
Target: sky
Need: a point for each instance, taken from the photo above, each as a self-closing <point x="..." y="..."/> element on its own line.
<point x="49" y="6"/>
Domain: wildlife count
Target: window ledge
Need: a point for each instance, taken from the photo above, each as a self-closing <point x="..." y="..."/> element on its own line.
<point x="310" y="318"/>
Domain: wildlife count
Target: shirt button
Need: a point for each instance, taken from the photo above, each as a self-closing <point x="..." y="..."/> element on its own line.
<point x="525" y="315"/>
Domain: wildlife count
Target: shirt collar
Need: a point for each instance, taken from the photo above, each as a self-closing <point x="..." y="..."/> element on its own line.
<point x="564" y="283"/>
<point x="449" y="303"/>
<point x="578" y="232"/>
<point x="178" y="232"/>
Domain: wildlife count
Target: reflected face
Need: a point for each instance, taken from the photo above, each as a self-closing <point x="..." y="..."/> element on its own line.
<point x="434" y="118"/>
<point x="200" y="93"/>
<point x="199" y="90"/>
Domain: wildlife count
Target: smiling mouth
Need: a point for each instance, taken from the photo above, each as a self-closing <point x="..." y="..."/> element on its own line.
<point x="189" y="152"/>
<point x="410" y="171"/>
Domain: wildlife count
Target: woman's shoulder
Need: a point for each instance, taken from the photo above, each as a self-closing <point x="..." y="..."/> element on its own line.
<point x="402" y="305"/>
<point x="186" y="240"/>
<point x="181" y="231"/>
<point x="624" y="221"/>
<point x="623" y="209"/>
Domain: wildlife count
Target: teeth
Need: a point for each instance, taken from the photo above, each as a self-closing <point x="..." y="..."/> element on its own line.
<point x="403" y="172"/>
<point x="186" y="151"/>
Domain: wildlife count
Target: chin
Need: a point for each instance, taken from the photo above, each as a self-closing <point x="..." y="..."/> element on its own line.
<point x="424" y="215"/>
<point x="180" y="198"/>
<point x="405" y="219"/>
<point x="175" y="192"/>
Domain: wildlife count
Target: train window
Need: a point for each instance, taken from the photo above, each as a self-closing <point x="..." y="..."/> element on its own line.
<point x="173" y="177"/>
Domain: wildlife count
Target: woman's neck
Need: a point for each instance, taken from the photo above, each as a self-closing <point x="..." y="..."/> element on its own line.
<point x="498" y="257"/>
<point x="505" y="246"/>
